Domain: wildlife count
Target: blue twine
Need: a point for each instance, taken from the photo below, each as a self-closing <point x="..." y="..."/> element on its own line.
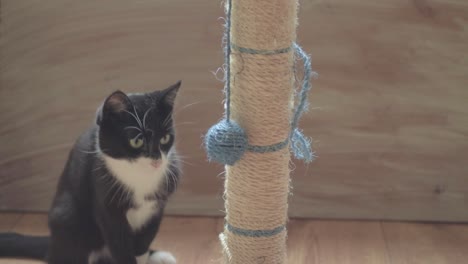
<point x="255" y="233"/>
<point x="305" y="85"/>
<point x="226" y="141"/>
<point x="260" y="52"/>
<point x="227" y="59"/>
<point x="269" y="148"/>
<point x="300" y="144"/>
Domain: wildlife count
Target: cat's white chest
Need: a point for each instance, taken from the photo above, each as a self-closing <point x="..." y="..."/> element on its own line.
<point x="139" y="216"/>
<point x="142" y="179"/>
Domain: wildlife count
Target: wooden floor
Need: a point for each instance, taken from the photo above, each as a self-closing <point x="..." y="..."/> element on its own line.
<point x="193" y="240"/>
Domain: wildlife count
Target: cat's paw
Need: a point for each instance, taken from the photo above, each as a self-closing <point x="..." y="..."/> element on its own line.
<point x="162" y="257"/>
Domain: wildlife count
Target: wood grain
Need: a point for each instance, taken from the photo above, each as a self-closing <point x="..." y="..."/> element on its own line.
<point x="8" y="221"/>
<point x="194" y="240"/>
<point x="388" y="111"/>
<point x="425" y="243"/>
<point x="60" y="59"/>
<point x="335" y="242"/>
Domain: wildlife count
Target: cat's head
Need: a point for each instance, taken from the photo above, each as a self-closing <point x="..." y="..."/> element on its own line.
<point x="137" y="125"/>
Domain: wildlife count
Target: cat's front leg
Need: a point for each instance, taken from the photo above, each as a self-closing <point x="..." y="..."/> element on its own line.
<point x="117" y="236"/>
<point x="161" y="257"/>
<point x="158" y="257"/>
<point x="143" y="239"/>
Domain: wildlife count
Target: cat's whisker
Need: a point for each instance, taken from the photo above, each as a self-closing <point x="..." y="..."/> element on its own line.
<point x="108" y="180"/>
<point x="137" y="136"/>
<point x="125" y="195"/>
<point x="185" y="107"/>
<point x="184" y="162"/>
<point x="114" y="184"/>
<point x="130" y="193"/>
<point x="136" y="119"/>
<point x="175" y="178"/>
<point x="104" y="176"/>
<point x="119" y="187"/>
<point x="123" y="192"/>
<point x="115" y="191"/>
<point x="172" y="175"/>
<point x="180" y="157"/>
<point x="168" y="118"/>
<point x="171" y="171"/>
<point x="139" y="120"/>
<point x="167" y="183"/>
<point x="144" y="117"/>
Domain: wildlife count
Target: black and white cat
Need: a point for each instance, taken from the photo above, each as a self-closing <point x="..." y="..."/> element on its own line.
<point x="112" y="193"/>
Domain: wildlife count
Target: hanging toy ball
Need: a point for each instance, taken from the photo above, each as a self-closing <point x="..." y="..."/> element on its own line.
<point x="225" y="142"/>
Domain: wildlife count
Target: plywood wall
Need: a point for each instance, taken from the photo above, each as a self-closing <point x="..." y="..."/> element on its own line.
<point x="389" y="113"/>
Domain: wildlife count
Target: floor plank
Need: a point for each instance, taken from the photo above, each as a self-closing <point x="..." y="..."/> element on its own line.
<point x="8" y="221"/>
<point x="336" y="242"/>
<point x="33" y="224"/>
<point x="410" y="243"/>
<point x="191" y="240"/>
<point x="194" y="240"/>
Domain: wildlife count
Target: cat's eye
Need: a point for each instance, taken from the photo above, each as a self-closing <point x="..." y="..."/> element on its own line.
<point x="164" y="140"/>
<point x="136" y="143"/>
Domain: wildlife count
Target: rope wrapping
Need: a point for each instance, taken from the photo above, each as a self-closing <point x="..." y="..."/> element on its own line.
<point x="257" y="185"/>
<point x="259" y="129"/>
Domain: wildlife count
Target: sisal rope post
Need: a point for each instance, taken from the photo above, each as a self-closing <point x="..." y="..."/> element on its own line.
<point x="262" y="33"/>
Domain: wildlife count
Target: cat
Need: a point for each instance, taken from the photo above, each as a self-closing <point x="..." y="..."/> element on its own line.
<point x="113" y="190"/>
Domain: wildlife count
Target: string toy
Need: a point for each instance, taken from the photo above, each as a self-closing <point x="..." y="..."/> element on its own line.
<point x="226" y="141"/>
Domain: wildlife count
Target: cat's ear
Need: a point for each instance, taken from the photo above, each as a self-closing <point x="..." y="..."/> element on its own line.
<point x="117" y="102"/>
<point x="169" y="94"/>
<point x="99" y="115"/>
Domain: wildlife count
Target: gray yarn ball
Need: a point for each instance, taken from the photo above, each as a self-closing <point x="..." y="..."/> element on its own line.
<point x="225" y="142"/>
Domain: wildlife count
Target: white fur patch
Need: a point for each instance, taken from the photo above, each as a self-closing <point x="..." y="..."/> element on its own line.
<point x="137" y="217"/>
<point x="142" y="178"/>
<point x="143" y="259"/>
<point x="104" y="253"/>
<point x="162" y="257"/>
<point x="95" y="256"/>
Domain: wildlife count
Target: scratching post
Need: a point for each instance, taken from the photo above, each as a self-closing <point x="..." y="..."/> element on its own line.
<point x="260" y="124"/>
<point x="257" y="186"/>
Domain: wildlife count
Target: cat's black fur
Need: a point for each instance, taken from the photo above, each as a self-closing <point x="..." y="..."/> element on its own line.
<point x="90" y="205"/>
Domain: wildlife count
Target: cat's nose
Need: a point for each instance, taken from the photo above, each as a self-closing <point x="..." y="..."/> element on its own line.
<point x="156" y="163"/>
